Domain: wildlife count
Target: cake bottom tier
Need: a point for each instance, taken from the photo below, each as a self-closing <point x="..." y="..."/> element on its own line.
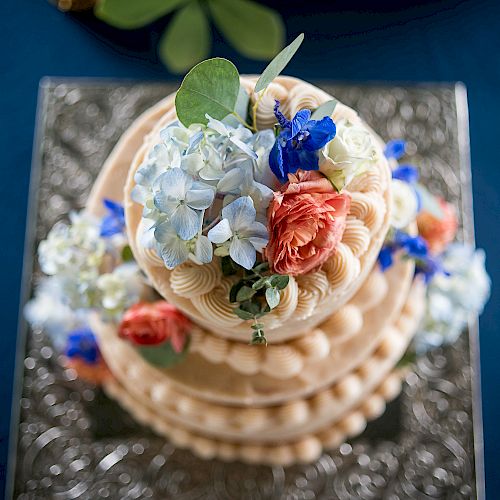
<point x="281" y="434"/>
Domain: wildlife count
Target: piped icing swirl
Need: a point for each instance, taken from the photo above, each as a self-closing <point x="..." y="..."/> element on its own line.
<point x="192" y="280"/>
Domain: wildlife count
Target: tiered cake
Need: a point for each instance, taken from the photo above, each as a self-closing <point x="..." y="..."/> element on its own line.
<point x="332" y="342"/>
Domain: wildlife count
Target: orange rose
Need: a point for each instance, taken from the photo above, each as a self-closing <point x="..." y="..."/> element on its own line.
<point x="438" y="232"/>
<point x="306" y="221"/>
<point x="154" y="323"/>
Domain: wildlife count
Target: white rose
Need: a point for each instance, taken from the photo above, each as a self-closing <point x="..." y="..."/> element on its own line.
<point x="404" y="204"/>
<point x="347" y="155"/>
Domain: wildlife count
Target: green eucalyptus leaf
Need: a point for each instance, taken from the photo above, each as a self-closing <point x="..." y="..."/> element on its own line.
<point x="245" y="293"/>
<point x="132" y="14"/>
<point x="211" y="87"/>
<point x="241" y="108"/>
<point x="429" y="202"/>
<point x="276" y="66"/>
<point x="409" y="358"/>
<point x="258" y="338"/>
<point x="262" y="267"/>
<point x="127" y="255"/>
<point x="280" y="280"/>
<point x="186" y="41"/>
<point x="162" y="355"/>
<point x="254" y="30"/>
<point x="234" y="291"/>
<point x="252" y="307"/>
<point x="242" y="313"/>
<point x="261" y="283"/>
<point x="228" y="266"/>
<point x="272" y="297"/>
<point x="326" y="109"/>
<point x="258" y="326"/>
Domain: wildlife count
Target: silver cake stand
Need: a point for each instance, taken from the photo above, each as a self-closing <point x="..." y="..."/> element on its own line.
<point x="71" y="441"/>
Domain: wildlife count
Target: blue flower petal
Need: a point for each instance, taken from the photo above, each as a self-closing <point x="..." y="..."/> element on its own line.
<point x="395" y="149"/>
<point x="320" y="133"/>
<point x="385" y="257"/>
<point x="299" y="121"/>
<point x="276" y="162"/>
<point x="82" y="344"/>
<point x="406" y="173"/>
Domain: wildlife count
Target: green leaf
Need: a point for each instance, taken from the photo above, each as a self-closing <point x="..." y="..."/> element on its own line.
<point x="258" y="326"/>
<point x="186" y="41"/>
<point x="429" y="202"/>
<point x="241" y="108"/>
<point x="251" y="307"/>
<point x="127" y="255"/>
<point x="245" y="293"/>
<point x="261" y="283"/>
<point x="258" y="338"/>
<point x="162" y="355"/>
<point x="234" y="291"/>
<point x="326" y="109"/>
<point x="277" y="65"/>
<point x="242" y="314"/>
<point x="211" y="87"/>
<point x="228" y="266"/>
<point x="254" y="30"/>
<point x="272" y="297"/>
<point x="262" y="267"/>
<point x="280" y="280"/>
<point x="132" y="14"/>
<point x="409" y="358"/>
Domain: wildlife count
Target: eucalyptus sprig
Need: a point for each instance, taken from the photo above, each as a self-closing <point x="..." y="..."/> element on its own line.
<point x="257" y="293"/>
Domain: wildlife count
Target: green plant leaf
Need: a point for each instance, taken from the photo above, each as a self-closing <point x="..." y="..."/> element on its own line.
<point x="211" y="87"/>
<point x="272" y="297"/>
<point x="132" y="14"/>
<point x="276" y="66"/>
<point x="254" y="30"/>
<point x="242" y="314"/>
<point x="326" y="109"/>
<point x="127" y="255"/>
<point x="240" y="108"/>
<point x="234" y="291"/>
<point x="186" y="41"/>
<point x="262" y="267"/>
<point x="162" y="355"/>
<point x="228" y="266"/>
<point x="245" y="293"/>
<point x="280" y="280"/>
<point x="261" y="283"/>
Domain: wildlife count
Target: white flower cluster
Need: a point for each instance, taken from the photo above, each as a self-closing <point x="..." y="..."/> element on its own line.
<point x="75" y="257"/>
<point x="348" y="155"/>
<point x="404" y="204"/>
<point x="453" y="300"/>
<point x="202" y="186"/>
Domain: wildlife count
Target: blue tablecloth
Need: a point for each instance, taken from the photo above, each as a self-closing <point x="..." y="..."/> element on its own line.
<point x="440" y="41"/>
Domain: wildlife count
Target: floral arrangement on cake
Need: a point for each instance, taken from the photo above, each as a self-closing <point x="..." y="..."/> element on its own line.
<point x="264" y="204"/>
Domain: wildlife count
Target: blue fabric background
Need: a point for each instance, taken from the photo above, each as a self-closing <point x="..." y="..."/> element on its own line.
<point x="438" y="41"/>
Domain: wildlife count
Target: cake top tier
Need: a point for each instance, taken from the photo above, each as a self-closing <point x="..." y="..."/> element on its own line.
<point x="271" y="229"/>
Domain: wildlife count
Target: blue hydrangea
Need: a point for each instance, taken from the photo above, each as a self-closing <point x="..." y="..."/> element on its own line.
<point x="298" y="142"/>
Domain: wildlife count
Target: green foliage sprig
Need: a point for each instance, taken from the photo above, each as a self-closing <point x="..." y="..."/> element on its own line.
<point x="257" y="293"/>
<point x="254" y="30"/>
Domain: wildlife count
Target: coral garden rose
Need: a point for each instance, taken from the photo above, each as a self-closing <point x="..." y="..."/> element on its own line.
<point x="306" y="221"/>
<point x="438" y="232"/>
<point x="154" y="323"/>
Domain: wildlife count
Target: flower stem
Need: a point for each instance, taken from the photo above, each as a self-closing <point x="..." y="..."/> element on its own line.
<point x="243" y="122"/>
<point x="255" y="106"/>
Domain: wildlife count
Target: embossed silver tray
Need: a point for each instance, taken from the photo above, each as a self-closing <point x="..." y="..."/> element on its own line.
<point x="70" y="441"/>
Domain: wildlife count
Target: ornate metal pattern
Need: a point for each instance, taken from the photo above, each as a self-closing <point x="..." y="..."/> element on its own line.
<point x="76" y="443"/>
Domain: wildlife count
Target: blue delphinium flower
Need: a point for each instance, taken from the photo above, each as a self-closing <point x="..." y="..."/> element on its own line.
<point x="414" y="247"/>
<point x="395" y="149"/>
<point x="82" y="344"/>
<point x="298" y="142"/>
<point x="406" y="173"/>
<point x="114" y="221"/>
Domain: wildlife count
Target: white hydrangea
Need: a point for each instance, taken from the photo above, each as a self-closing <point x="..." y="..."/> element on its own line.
<point x="404" y="204"/>
<point x="70" y="247"/>
<point x="119" y="289"/>
<point x="453" y="300"/>
<point x="350" y="153"/>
